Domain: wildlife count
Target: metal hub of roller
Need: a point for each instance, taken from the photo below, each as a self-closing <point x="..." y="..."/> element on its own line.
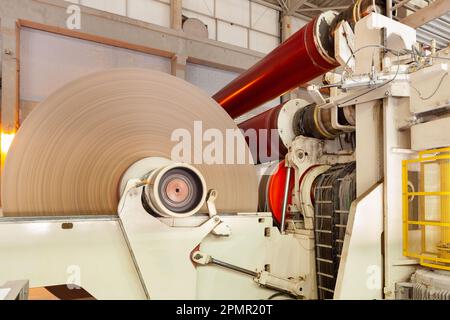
<point x="175" y="191"/>
<point x="312" y="121"/>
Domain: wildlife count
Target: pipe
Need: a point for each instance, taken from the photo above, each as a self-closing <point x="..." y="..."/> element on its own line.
<point x="304" y="56"/>
<point x="314" y="122"/>
<point x="389" y="8"/>
<point x="274" y="130"/>
<point x="233" y="267"/>
<point x="266" y="122"/>
<point x="285" y="200"/>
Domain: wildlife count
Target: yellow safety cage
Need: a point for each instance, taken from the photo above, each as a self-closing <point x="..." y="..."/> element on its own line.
<point x="426" y="208"/>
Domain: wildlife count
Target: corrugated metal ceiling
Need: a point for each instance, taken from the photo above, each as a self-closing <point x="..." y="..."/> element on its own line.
<point x="438" y="29"/>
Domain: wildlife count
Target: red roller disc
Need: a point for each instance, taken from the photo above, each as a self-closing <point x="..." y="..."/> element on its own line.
<point x="275" y="190"/>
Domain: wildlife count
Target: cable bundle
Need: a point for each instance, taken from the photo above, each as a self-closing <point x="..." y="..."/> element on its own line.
<point x="334" y="191"/>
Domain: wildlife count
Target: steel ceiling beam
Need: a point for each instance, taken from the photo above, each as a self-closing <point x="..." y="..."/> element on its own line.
<point x="435" y="10"/>
<point x="322" y="8"/>
<point x="294" y="5"/>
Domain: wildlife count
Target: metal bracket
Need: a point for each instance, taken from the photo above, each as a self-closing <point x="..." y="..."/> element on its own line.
<point x="211" y="202"/>
<point x="315" y="94"/>
<point x="222" y="229"/>
<point x="335" y="122"/>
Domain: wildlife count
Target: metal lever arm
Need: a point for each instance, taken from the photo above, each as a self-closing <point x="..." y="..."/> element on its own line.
<point x="291" y="286"/>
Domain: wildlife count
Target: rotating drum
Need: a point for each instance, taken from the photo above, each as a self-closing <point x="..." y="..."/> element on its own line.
<point x="70" y="154"/>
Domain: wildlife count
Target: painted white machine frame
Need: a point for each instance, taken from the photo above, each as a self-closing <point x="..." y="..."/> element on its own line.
<point x="139" y="256"/>
<point x="387" y="132"/>
<point x="136" y="256"/>
<point x="372" y="260"/>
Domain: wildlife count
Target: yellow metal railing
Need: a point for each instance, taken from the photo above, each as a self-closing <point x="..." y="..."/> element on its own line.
<point x="426" y="237"/>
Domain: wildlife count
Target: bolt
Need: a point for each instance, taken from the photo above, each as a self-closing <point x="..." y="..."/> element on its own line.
<point x="216" y="219"/>
<point x="198" y="256"/>
<point x="8" y="52"/>
<point x="387" y="93"/>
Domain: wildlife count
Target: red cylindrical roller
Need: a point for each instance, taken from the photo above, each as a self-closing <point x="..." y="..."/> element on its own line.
<point x="274" y="130"/>
<point x="267" y="123"/>
<point x="275" y="191"/>
<point x="306" y="55"/>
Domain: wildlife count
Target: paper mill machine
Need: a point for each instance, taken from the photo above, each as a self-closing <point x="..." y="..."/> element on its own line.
<point x="346" y="196"/>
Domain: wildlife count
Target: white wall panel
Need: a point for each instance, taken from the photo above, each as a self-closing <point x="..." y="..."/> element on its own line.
<point x="150" y="11"/>
<point x="237" y="11"/>
<point x="209" y="79"/>
<point x="297" y="23"/>
<point x="262" y="42"/>
<point x="113" y="6"/>
<point x="201" y="6"/>
<point x="229" y="33"/>
<point x="265" y="19"/>
<point x="228" y="21"/>
<point x="210" y="22"/>
<point x="49" y="61"/>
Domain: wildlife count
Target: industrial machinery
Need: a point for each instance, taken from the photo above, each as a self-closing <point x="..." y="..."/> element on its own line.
<point x="107" y="187"/>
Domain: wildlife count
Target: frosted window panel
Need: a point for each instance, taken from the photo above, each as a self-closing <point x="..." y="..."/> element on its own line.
<point x="113" y="6"/>
<point x="209" y="79"/>
<point x="262" y="42"/>
<point x="232" y="34"/>
<point x="265" y="19"/>
<point x="150" y="11"/>
<point x="201" y="6"/>
<point x="49" y="61"/>
<point x="237" y="11"/>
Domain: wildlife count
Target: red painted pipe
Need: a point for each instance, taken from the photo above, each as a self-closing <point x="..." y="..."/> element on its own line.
<point x="275" y="191"/>
<point x="301" y="58"/>
<point x="268" y="120"/>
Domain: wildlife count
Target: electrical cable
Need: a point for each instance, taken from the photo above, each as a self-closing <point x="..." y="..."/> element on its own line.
<point x="434" y="92"/>
<point x="398" y="53"/>
<point x="381" y="85"/>
<point x="334" y="192"/>
<point x="281" y="294"/>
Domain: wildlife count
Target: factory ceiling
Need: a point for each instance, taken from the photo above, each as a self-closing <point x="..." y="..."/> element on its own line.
<point x="437" y="29"/>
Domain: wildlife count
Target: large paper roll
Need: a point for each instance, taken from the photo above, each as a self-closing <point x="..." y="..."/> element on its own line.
<point x="69" y="155"/>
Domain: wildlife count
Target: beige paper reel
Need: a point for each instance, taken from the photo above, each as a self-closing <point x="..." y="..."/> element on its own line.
<point x="71" y="152"/>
